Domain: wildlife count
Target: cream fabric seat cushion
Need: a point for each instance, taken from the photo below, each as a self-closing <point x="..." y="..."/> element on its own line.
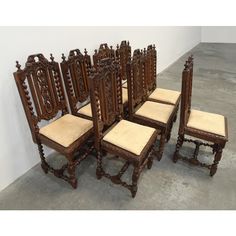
<point x="208" y="122"/>
<point x="156" y="111"/>
<point x="165" y="95"/>
<point x="86" y="110"/>
<point x="124" y="95"/>
<point x="129" y="136"/>
<point x="66" y="129"/>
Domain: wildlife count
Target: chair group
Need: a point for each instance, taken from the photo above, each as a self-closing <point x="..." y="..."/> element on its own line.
<point x="114" y="106"/>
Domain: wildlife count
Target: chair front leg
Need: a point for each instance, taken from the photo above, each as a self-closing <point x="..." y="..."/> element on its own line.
<point x="135" y="177"/>
<point x="178" y="146"/>
<point x="71" y="169"/>
<point x="217" y="158"/>
<point x="99" y="165"/>
<point x="161" y="145"/>
<point x="44" y="164"/>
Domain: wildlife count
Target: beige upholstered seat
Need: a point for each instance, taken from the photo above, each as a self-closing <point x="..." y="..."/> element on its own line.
<point x="155" y="111"/>
<point x="66" y="129"/>
<point x="129" y="136"/>
<point x="86" y="110"/>
<point x="165" y="95"/>
<point x="208" y="122"/>
<point x="124" y="95"/>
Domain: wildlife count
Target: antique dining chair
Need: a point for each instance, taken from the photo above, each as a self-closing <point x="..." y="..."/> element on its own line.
<point x="161" y="95"/>
<point x="75" y="71"/>
<point x="202" y="125"/>
<point x="43" y="98"/>
<point x="154" y="114"/>
<point x="131" y="142"/>
<point x="108" y="52"/>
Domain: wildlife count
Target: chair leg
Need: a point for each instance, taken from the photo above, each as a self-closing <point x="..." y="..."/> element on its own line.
<point x="135" y="178"/>
<point x="44" y="164"/>
<point x="169" y="132"/>
<point x="217" y="159"/>
<point x="99" y="165"/>
<point x="72" y="171"/>
<point x="178" y="146"/>
<point x="161" y="147"/>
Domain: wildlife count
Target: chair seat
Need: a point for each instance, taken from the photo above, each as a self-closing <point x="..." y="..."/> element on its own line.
<point x="165" y="95"/>
<point x="208" y="122"/>
<point x="129" y="136"/>
<point x="66" y="129"/>
<point x="156" y="111"/>
<point x="86" y="110"/>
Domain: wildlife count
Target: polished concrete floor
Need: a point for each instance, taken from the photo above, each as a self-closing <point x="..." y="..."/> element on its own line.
<point x="166" y="185"/>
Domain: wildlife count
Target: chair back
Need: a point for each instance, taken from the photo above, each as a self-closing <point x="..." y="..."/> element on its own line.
<point x="41" y="90"/>
<point x="186" y="93"/>
<point x="103" y="52"/>
<point x="135" y="81"/>
<point x="106" y="97"/>
<point x="75" y="71"/>
<point x="150" y="68"/>
<point x="123" y="55"/>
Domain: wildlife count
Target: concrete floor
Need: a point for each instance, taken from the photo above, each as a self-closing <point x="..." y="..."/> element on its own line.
<point x="166" y="185"/>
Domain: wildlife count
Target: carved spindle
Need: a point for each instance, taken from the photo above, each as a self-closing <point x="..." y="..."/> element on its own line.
<point x="18" y="66"/>
<point x="51" y="57"/>
<point x="63" y="57"/>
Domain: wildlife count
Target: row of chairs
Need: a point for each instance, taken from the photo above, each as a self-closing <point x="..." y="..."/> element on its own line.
<point x="122" y="113"/>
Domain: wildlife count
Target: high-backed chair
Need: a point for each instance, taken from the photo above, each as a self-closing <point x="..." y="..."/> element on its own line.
<point x="155" y="93"/>
<point x="154" y="114"/>
<point x="199" y="124"/>
<point x="75" y="71"/>
<point x="132" y="142"/>
<point x="43" y="98"/>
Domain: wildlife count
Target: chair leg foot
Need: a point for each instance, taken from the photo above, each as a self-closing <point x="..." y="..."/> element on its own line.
<point x="217" y="158"/>
<point x="134" y="191"/>
<point x="135" y="178"/>
<point x="44" y="167"/>
<point x="161" y="147"/>
<point x="178" y="146"/>
<point x="99" y="165"/>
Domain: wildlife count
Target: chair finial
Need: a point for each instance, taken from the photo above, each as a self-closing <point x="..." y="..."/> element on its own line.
<point x="63" y="57"/>
<point x="85" y="52"/>
<point x="51" y="57"/>
<point x="18" y="65"/>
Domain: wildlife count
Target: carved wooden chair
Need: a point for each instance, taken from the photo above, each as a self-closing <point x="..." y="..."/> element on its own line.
<point x="43" y="98"/>
<point x="132" y="142"/>
<point x="161" y="95"/>
<point x="199" y="124"/>
<point x="75" y="71"/>
<point x="154" y="114"/>
<point x="108" y="52"/>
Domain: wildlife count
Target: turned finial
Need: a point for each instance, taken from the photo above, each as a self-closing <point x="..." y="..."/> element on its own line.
<point x="18" y="65"/>
<point x="51" y="57"/>
<point x="96" y="51"/>
<point x="85" y="52"/>
<point x="63" y="57"/>
<point x="117" y="46"/>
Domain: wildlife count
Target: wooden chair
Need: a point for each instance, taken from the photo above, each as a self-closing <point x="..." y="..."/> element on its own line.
<point x="199" y="124"/>
<point x="132" y="142"/>
<point x="154" y="114"/>
<point x="160" y="95"/>
<point x="43" y="98"/>
<point x="75" y="71"/>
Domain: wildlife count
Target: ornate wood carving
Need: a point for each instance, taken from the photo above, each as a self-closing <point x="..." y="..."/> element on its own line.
<point x="102" y="53"/>
<point x="123" y="55"/>
<point x="75" y="72"/>
<point x="218" y="141"/>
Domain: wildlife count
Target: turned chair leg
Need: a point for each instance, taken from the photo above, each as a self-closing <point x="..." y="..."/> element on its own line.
<point x="135" y="178"/>
<point x="168" y="136"/>
<point x="99" y="165"/>
<point x="161" y="147"/>
<point x="72" y="171"/>
<point x="178" y="146"/>
<point x="44" y="164"/>
<point x="217" y="158"/>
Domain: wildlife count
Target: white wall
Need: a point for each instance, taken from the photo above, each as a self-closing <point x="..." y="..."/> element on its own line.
<point x="219" y="34"/>
<point x="18" y="153"/>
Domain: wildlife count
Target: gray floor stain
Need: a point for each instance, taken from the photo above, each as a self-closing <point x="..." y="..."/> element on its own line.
<point x="166" y="185"/>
